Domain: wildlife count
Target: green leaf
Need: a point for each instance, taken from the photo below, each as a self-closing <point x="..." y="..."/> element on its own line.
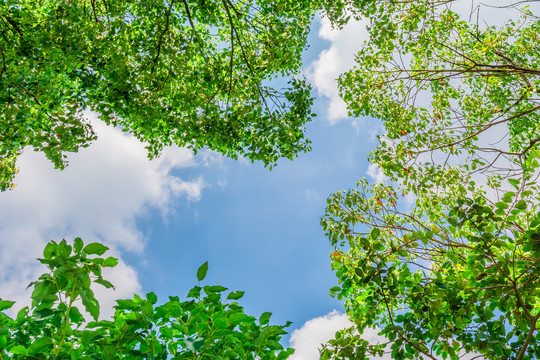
<point x="375" y="232"/>
<point x="18" y="350"/>
<point x="95" y="249"/>
<point x="78" y="245"/>
<point x="201" y="272"/>
<point x="194" y="344"/>
<point x="151" y="297"/>
<point x="508" y="197"/>
<point x="235" y="295"/>
<point x="214" y="289"/>
<point x="265" y="318"/>
<point x="239" y="318"/>
<point x="514" y="183"/>
<point x="195" y="292"/>
<point x="39" y="345"/>
<point x="75" y="315"/>
<point x="501" y="205"/>
<point x="110" y="262"/>
<point x="521" y="205"/>
<point x="105" y="283"/>
<point x="5" y="304"/>
<point x="49" y="249"/>
<point x="90" y="303"/>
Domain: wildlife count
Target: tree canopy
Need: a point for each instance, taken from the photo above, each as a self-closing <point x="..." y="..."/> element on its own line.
<point x="191" y="73"/>
<point x="204" y="326"/>
<point x="457" y="271"/>
<point x="457" y="97"/>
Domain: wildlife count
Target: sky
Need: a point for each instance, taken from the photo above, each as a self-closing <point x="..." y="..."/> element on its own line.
<point x="258" y="229"/>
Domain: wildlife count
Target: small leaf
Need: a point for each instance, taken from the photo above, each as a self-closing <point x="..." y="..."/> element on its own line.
<point x="105" y="283"/>
<point x="90" y="303"/>
<point x="151" y="297"/>
<point x="521" y="205"/>
<point x="201" y="272"/>
<point x="240" y="318"/>
<point x="214" y="289"/>
<point x="235" y="295"/>
<point x="49" y="249"/>
<point x="78" y="245"/>
<point x="375" y="233"/>
<point x="110" y="262"/>
<point x="441" y="285"/>
<point x="75" y="315"/>
<point x="501" y="205"/>
<point x="95" y="248"/>
<point x="265" y="318"/>
<point x="194" y="344"/>
<point x="514" y="183"/>
<point x="18" y="350"/>
<point x="507" y="197"/>
<point x="6" y="304"/>
<point x="195" y="292"/>
<point x="39" y="345"/>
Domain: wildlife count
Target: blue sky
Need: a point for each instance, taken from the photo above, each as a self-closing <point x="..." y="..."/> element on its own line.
<point x="258" y="229"/>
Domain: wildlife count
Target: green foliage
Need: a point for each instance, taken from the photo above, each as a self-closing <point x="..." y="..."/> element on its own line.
<point x="451" y="92"/>
<point x="200" y="327"/>
<point x="440" y="280"/>
<point x="190" y="73"/>
<point x="458" y="272"/>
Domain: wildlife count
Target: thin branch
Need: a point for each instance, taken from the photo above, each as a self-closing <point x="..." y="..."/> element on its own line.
<point x="529" y="337"/>
<point x="168" y="16"/>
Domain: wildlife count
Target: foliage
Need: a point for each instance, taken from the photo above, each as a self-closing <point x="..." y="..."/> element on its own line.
<point x="458" y="271"/>
<point x="185" y="72"/>
<point x="440" y="279"/>
<point x="456" y="97"/>
<point x="203" y="327"/>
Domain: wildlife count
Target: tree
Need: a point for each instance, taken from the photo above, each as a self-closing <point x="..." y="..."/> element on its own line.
<point x="458" y="273"/>
<point x="203" y="327"/>
<point x="457" y="98"/>
<point x="185" y="72"/>
<point x="438" y="280"/>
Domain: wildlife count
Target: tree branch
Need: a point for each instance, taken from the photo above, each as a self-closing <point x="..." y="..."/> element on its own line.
<point x="160" y="41"/>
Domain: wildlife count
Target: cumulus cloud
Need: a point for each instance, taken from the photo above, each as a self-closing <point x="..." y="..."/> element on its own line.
<point x="376" y="174"/>
<point x="97" y="197"/>
<point x="334" y="61"/>
<point x="308" y="339"/>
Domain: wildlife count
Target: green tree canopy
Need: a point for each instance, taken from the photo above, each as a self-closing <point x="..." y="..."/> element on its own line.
<point x="441" y="279"/>
<point x="193" y="73"/>
<point x="204" y="326"/>
<point x="458" y="271"/>
<point x="457" y="97"/>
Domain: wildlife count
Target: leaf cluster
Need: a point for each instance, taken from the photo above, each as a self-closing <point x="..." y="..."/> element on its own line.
<point x="186" y="72"/>
<point x="451" y="92"/>
<point x="463" y="280"/>
<point x="204" y="326"/>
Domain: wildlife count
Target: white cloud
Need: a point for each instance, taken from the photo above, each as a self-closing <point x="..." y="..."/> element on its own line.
<point x="334" y="61"/>
<point x="308" y="339"/>
<point x="97" y="197"/>
<point x="376" y="174"/>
